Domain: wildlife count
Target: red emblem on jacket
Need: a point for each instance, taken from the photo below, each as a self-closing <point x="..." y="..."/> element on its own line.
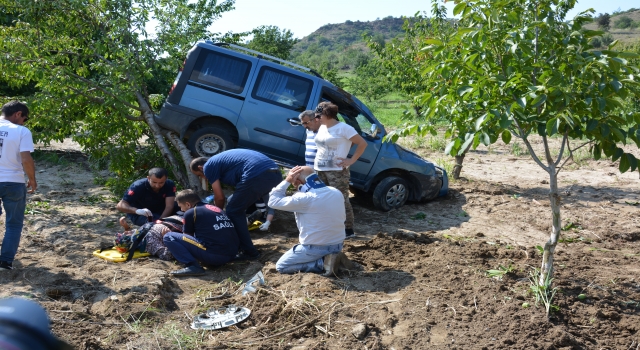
<point x="213" y="208"/>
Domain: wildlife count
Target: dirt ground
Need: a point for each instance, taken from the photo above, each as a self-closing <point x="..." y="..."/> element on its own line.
<point x="424" y="284"/>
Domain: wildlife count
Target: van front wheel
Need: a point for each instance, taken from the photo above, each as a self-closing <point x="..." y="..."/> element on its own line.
<point x="391" y="193"/>
<point x="209" y="141"/>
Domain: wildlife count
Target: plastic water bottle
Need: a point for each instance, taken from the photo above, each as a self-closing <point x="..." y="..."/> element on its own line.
<point x="209" y="199"/>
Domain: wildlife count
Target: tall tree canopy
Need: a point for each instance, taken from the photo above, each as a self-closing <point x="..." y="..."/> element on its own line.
<point x="95" y="65"/>
<point x="272" y="41"/>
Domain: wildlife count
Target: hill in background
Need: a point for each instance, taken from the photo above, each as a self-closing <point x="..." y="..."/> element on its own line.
<point x="341" y="46"/>
<point x="627" y="35"/>
<point x="343" y="35"/>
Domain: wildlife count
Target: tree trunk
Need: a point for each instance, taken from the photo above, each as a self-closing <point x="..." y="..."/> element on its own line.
<point x="194" y="182"/>
<point x="457" y="169"/>
<point x="546" y="271"/>
<point x="176" y="167"/>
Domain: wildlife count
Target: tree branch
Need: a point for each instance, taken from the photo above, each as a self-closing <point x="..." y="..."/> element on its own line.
<point x="96" y="86"/>
<point x="135" y="119"/>
<point x="564" y="140"/>
<point x="92" y="98"/>
<point x="571" y="154"/>
<point x="530" y="149"/>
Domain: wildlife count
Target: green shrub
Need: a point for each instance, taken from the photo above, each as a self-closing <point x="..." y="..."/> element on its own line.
<point x="607" y="39"/>
<point x="623" y="22"/>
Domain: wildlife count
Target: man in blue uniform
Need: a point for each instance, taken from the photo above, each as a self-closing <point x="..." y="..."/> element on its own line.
<point x="252" y="174"/>
<point x="148" y="199"/>
<point x="209" y="236"/>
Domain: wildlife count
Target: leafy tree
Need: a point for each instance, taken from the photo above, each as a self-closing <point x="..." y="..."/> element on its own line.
<point x="402" y="59"/>
<point x="368" y="82"/>
<point x="95" y="67"/>
<point x="519" y="69"/>
<point x="405" y="61"/>
<point x="604" y="21"/>
<point x="272" y="41"/>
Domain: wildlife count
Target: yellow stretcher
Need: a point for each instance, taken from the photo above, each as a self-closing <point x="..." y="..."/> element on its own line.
<point x="116" y="256"/>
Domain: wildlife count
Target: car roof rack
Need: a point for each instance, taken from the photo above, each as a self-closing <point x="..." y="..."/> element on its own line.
<point x="263" y="55"/>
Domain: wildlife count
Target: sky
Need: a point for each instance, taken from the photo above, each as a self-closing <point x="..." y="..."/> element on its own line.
<point x="303" y="17"/>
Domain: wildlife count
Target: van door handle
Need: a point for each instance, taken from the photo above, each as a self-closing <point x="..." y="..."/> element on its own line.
<point x="294" y="121"/>
<point x="252" y="102"/>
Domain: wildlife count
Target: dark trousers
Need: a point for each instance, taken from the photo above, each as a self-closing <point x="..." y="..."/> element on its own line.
<point x="189" y="250"/>
<point x="246" y="193"/>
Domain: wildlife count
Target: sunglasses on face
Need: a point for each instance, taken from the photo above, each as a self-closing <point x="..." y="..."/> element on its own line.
<point x="307" y="122"/>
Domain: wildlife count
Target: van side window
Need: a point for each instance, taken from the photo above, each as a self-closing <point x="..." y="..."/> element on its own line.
<point x="221" y="71"/>
<point x="281" y="88"/>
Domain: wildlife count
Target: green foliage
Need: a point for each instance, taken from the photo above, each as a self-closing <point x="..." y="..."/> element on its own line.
<point x="501" y="271"/>
<point x="95" y="66"/>
<point x="543" y="293"/>
<point x="271" y="41"/>
<point x="519" y="68"/>
<point x="493" y="79"/>
<point x="607" y="39"/>
<point x="367" y="81"/>
<point x="37" y="207"/>
<point x="419" y="216"/>
<point x="400" y="60"/>
<point x="341" y="46"/>
<point x="623" y="22"/>
<point x="604" y="21"/>
<point x="517" y="149"/>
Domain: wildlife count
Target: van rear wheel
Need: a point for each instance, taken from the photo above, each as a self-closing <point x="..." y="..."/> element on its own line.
<point x="391" y="193"/>
<point x="209" y="141"/>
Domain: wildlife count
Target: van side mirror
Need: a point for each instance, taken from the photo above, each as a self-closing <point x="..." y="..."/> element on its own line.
<point x="374" y="130"/>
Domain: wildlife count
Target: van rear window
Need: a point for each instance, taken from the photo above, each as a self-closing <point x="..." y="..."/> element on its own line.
<point x="281" y="88"/>
<point x="221" y="71"/>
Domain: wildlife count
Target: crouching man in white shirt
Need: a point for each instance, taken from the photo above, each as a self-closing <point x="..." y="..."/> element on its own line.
<point x="320" y="216"/>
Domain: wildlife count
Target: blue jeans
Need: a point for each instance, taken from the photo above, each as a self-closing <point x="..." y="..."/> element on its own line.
<point x="306" y="258"/>
<point x="246" y="193"/>
<point x="14" y="198"/>
<point x="189" y="250"/>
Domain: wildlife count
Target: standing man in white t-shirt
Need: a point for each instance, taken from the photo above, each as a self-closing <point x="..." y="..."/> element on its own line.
<point x="16" y="145"/>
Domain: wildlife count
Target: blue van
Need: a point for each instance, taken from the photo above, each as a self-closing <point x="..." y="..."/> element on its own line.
<point x="228" y="96"/>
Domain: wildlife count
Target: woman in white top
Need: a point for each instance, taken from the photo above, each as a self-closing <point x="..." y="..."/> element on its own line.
<point x="334" y="140"/>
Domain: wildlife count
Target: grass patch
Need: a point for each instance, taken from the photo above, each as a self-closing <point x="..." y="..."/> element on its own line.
<point x="389" y="113"/>
<point x="181" y="339"/>
<point x="518" y="149"/>
<point x="93" y="199"/>
<point x="37" y="207"/>
<point x="543" y="293"/>
<point x="51" y="157"/>
<point x="580" y="156"/>
<point x="436" y="143"/>
<point x="447" y="164"/>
